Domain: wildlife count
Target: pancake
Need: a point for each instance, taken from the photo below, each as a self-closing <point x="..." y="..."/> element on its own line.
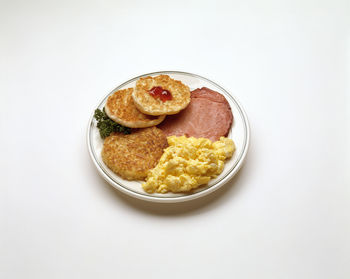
<point x="153" y="104"/>
<point x="132" y="156"/>
<point x="120" y="107"/>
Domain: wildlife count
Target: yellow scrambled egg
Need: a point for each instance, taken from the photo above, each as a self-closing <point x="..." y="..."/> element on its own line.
<point x="188" y="163"/>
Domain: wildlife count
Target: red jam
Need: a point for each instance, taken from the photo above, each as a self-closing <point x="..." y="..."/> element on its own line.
<point x="159" y="93"/>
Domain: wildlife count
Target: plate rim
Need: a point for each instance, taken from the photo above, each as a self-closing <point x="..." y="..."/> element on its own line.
<point x="179" y="198"/>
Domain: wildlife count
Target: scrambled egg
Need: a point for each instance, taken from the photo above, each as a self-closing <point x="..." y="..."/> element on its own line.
<point x="188" y="163"/>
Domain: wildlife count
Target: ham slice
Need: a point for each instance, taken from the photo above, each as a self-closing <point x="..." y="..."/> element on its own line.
<point x="207" y="116"/>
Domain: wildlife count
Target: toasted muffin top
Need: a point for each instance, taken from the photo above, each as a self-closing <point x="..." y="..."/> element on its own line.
<point x="132" y="156"/>
<point x="120" y="107"/>
<point x="151" y="104"/>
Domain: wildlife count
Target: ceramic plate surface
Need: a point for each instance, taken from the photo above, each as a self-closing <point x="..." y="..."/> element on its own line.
<point x="239" y="133"/>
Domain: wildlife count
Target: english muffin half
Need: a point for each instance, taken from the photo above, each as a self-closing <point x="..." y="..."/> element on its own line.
<point x="161" y="95"/>
<point x="120" y="107"/>
<point x="132" y="156"/>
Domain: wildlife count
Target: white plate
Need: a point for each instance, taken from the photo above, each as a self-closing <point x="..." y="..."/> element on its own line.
<point x="239" y="132"/>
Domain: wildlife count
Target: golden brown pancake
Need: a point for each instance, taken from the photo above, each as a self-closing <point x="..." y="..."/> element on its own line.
<point x="149" y="104"/>
<point x="131" y="156"/>
<point x="120" y="107"/>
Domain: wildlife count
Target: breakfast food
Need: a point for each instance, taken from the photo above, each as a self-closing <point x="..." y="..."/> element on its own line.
<point x="120" y="107"/>
<point x="188" y="163"/>
<point x="184" y="152"/>
<point x="160" y="95"/>
<point x="208" y="115"/>
<point x="132" y="156"/>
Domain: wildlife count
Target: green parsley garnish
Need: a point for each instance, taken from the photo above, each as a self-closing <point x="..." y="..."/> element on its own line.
<point x="107" y="126"/>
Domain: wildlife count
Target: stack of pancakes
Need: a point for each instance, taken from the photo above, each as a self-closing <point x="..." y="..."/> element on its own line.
<point x="131" y="156"/>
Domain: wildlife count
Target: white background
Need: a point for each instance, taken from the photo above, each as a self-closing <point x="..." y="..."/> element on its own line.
<point x="285" y="215"/>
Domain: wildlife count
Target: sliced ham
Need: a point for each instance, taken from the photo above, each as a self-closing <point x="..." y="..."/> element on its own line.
<point x="208" y="116"/>
<point x="209" y="94"/>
